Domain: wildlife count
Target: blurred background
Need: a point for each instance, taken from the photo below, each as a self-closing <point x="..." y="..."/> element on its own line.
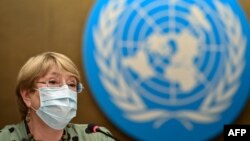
<point x="29" y="27"/>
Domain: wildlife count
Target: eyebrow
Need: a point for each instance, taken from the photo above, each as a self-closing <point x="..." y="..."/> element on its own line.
<point x="54" y="73"/>
<point x="70" y="76"/>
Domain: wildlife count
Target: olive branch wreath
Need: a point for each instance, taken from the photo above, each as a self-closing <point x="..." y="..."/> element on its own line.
<point x="218" y="99"/>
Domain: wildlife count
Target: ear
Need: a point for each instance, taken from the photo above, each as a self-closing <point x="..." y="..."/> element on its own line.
<point x="26" y="95"/>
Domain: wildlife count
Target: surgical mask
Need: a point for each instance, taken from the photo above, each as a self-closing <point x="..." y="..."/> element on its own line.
<point x="57" y="106"/>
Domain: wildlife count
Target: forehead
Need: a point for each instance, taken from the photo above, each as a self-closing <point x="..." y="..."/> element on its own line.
<point x="58" y="72"/>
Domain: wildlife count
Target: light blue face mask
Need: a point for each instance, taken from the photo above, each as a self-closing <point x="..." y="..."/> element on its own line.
<point x="57" y="106"/>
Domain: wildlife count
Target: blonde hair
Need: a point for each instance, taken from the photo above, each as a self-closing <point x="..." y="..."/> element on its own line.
<point x="36" y="67"/>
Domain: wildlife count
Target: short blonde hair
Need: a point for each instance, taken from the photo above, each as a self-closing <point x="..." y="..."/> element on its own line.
<point x="36" y="67"/>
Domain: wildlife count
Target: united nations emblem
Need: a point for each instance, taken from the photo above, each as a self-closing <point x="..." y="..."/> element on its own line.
<point x="172" y="70"/>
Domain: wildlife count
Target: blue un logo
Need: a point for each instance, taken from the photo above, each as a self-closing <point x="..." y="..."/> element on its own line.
<point x="168" y="70"/>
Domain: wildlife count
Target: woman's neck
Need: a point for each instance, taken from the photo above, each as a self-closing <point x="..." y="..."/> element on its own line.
<point x="41" y="131"/>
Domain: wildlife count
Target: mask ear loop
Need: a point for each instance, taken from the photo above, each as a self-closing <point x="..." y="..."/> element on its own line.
<point x="29" y="109"/>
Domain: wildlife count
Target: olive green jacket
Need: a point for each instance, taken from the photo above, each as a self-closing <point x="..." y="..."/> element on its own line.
<point x="74" y="132"/>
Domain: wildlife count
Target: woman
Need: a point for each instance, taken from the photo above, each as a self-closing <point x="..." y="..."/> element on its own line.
<point x="47" y="87"/>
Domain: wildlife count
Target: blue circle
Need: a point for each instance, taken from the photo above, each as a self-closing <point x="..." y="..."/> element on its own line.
<point x="104" y="73"/>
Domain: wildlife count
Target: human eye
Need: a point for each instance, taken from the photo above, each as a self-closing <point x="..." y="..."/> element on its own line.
<point x="72" y="84"/>
<point x="53" y="83"/>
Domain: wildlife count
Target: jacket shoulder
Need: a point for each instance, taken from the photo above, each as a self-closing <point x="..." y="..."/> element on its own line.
<point x="7" y="132"/>
<point x="12" y="132"/>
